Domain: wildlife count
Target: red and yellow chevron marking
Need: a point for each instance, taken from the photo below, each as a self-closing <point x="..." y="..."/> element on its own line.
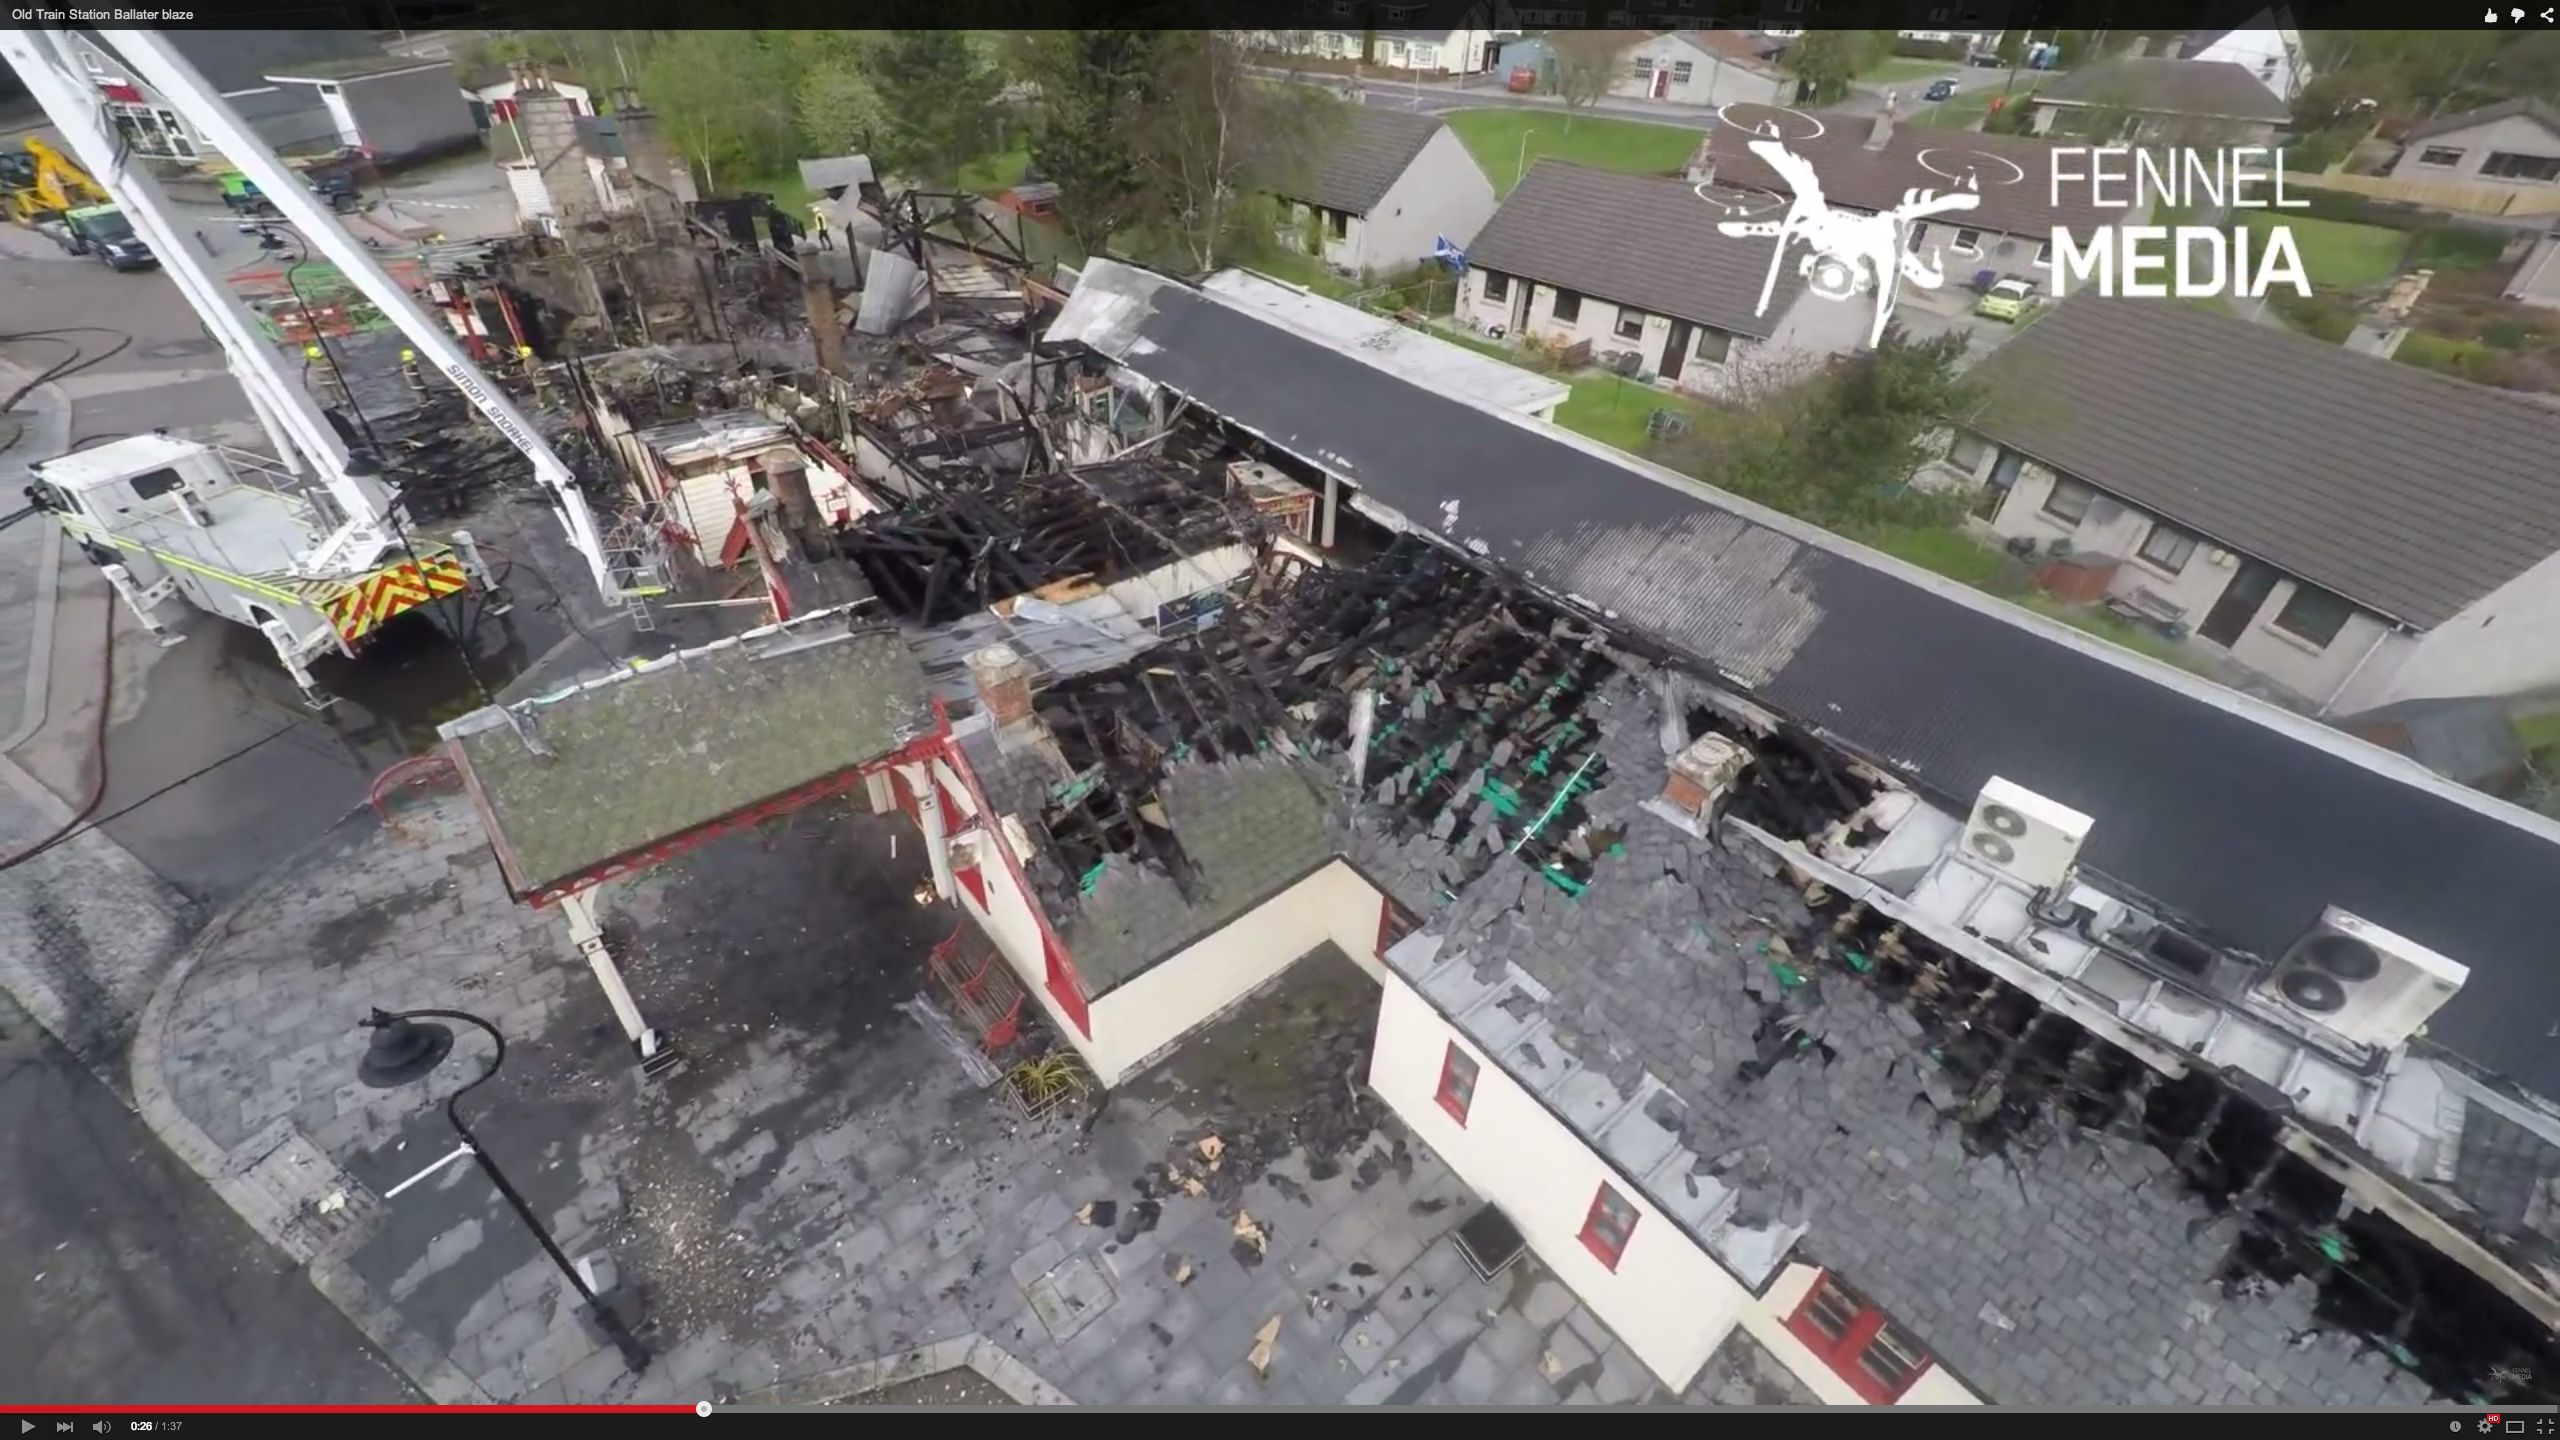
<point x="365" y="604"/>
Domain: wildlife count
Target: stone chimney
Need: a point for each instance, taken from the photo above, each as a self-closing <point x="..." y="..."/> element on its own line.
<point x="1880" y="132"/>
<point x="1003" y="682"/>
<point x="1700" y="776"/>
<point x="549" y="131"/>
<point x="651" y="158"/>
<point x="2379" y="333"/>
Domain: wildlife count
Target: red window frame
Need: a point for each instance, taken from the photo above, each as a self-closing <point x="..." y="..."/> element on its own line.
<point x="1858" y="1341"/>
<point x="1393" y="925"/>
<point x="1609" y="1225"/>
<point x="1458" y="1074"/>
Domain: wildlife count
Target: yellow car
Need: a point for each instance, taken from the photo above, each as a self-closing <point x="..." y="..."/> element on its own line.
<point x="2008" y="300"/>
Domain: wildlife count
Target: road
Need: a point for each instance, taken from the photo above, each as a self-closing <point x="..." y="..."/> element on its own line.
<point x="129" y="1280"/>
<point x="1442" y="96"/>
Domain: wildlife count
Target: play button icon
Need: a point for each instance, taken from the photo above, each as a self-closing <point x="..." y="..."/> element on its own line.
<point x="25" y="1425"/>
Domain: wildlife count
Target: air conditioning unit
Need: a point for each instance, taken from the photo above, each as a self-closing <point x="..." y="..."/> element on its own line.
<point x="2362" y="983"/>
<point x="2017" y="833"/>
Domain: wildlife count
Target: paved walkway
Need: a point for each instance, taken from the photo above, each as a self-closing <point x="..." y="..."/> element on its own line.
<point x="822" y="1185"/>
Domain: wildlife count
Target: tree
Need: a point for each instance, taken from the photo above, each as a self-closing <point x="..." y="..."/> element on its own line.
<point x="1827" y="62"/>
<point x="1212" y="142"/>
<point x="1093" y="85"/>
<point x="2012" y="52"/>
<point x="1838" y="447"/>
<point x="726" y="96"/>
<point x="839" y="110"/>
<point x="935" y="91"/>
<point x="1585" y="62"/>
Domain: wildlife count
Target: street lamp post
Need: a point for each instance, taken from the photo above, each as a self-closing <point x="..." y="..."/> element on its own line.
<point x="403" y="1050"/>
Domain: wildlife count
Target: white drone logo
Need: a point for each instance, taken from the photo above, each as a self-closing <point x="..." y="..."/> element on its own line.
<point x="1847" y="254"/>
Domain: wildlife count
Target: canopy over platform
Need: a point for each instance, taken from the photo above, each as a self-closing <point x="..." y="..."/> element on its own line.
<point x="625" y="770"/>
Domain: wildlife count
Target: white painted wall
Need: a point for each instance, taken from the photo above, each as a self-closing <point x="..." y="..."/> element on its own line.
<point x="1443" y="192"/>
<point x="1141" y="1018"/>
<point x="2514" y="135"/>
<point x="2506" y="643"/>
<point x="506" y="90"/>
<point x="1714" y="78"/>
<point x="1765" y="1320"/>
<point x="1008" y="917"/>
<point x="1810" y="330"/>
<point x="2364" y="650"/>
<point x="1666" y="1300"/>
<point x="2273" y="55"/>
<point x="703" y="501"/>
<point x="2011" y="257"/>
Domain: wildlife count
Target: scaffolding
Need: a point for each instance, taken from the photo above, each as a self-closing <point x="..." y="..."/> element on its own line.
<point x="635" y="552"/>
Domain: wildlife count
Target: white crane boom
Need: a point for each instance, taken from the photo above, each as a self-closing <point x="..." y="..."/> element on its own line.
<point x="158" y="63"/>
<point x="301" y="435"/>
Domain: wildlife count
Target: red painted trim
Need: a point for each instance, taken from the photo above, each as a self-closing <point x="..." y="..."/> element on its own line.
<point x="1059" y="977"/>
<point x="1843" y="1353"/>
<point x="971" y="881"/>
<point x="1598" y="1242"/>
<point x="1386" y="929"/>
<point x="1447" y="1094"/>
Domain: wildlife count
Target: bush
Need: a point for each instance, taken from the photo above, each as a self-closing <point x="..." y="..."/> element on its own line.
<point x="2349" y="209"/>
<point x="2327" y="320"/>
<point x="2462" y="359"/>
<point x="1931" y="49"/>
<point x="2458" y="247"/>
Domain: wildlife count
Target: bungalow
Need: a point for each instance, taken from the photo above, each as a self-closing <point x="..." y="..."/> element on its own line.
<point x="2138" y="97"/>
<point x="2008" y="236"/>
<point x="1634" y="265"/>
<point x="2271" y="49"/>
<point x="1702" y="67"/>
<point x="1388" y="185"/>
<point x="2513" y="145"/>
<point x="1420" y="52"/>
<point x="2354" y="531"/>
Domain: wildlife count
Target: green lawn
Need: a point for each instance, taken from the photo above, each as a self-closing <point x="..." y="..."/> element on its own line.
<point x="996" y="173"/>
<point x="1307" y="271"/>
<point x="1961" y="558"/>
<point x="2336" y="255"/>
<point x="1614" y="410"/>
<point x="1904" y="69"/>
<point x="1495" y="138"/>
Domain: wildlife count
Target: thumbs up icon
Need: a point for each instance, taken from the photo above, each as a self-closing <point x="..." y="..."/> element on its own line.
<point x="2491" y="17"/>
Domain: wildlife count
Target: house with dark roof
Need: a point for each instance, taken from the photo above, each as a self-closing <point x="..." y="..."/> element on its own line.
<point x="1634" y="264"/>
<point x="2514" y="144"/>
<point x="292" y="118"/>
<point x="1869" y="169"/>
<point x="1702" y="67"/>
<point x="1386" y="187"/>
<point x="2150" y="98"/>
<point x="2360" y="533"/>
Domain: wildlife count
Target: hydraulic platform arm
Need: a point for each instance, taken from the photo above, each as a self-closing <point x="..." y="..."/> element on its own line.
<point x="151" y="56"/>
<point x="301" y="435"/>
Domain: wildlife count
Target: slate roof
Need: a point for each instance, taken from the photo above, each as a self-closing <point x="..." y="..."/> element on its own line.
<point x="2209" y="89"/>
<point x="2232" y="814"/>
<point x="1632" y="240"/>
<point x="647" y="755"/>
<point x="1363" y="157"/>
<point x="2403" y="490"/>
<point x="2540" y="112"/>
<point x="1859" y="177"/>
<point x="1253" y="828"/>
<point x="2060" y="1274"/>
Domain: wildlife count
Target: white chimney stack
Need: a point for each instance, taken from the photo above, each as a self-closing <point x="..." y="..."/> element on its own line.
<point x="1880" y="133"/>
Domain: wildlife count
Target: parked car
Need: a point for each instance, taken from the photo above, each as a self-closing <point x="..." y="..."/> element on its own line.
<point x="1942" y="88"/>
<point x="2008" y="300"/>
<point x="102" y="233"/>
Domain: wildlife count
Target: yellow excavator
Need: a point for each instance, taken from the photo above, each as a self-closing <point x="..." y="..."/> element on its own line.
<point x="42" y="184"/>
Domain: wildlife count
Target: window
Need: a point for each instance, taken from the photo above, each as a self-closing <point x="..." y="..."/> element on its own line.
<point x="1966" y="452"/>
<point x="2504" y="165"/>
<point x="1681" y="70"/>
<point x="1457" y="1092"/>
<point x="1567" y="309"/>
<point x="1968" y="241"/>
<point x="2267" y="68"/>
<point x="2440" y="156"/>
<point x="1606" y="1229"/>
<point x="1714" y="345"/>
<point x="2313" y="614"/>
<point x="1855" y="1339"/>
<point x="2044" y="253"/>
<point x="1393" y="925"/>
<point x="156" y="484"/>
<point x="2069" y="500"/>
<point x="2167" y="547"/>
<point x="1630" y="324"/>
<point x="1497" y="288"/>
<point x="1337" y="224"/>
